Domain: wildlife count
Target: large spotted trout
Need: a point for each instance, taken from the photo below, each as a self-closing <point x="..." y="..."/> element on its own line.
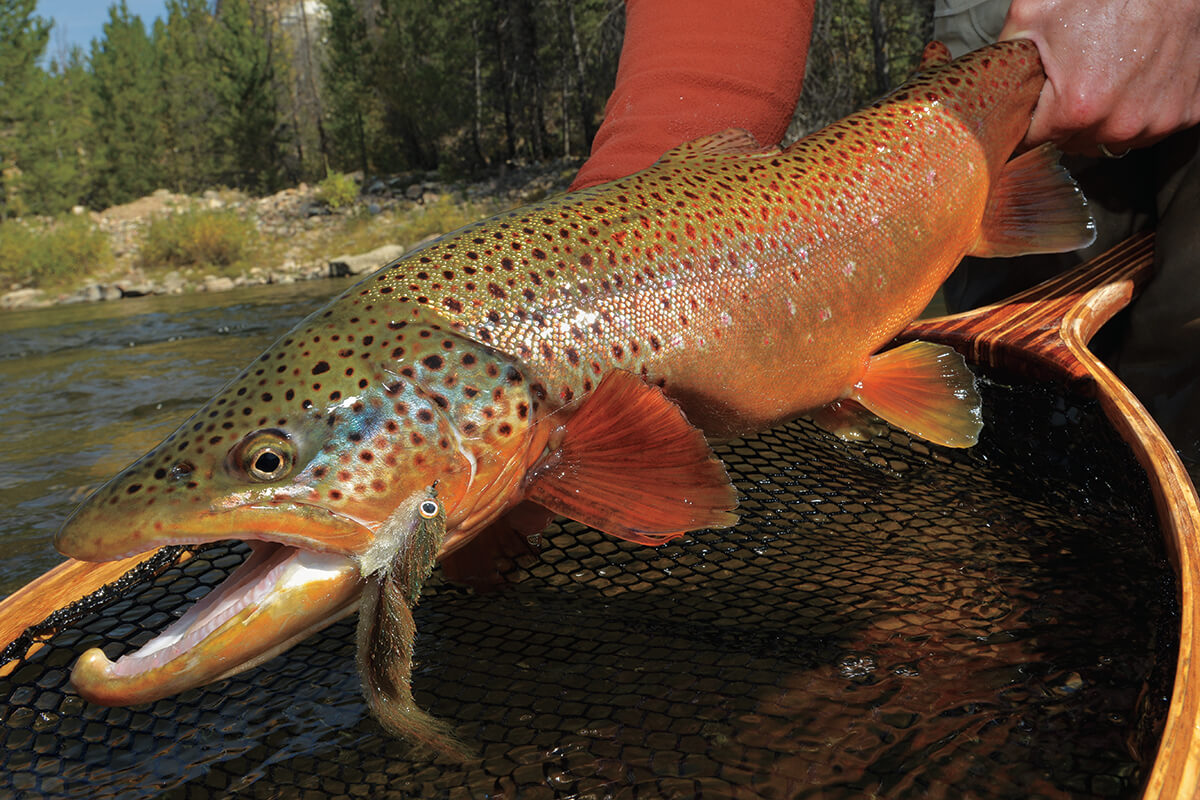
<point x="573" y="357"/>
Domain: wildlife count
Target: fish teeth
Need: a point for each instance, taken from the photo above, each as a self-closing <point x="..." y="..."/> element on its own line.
<point x="216" y="608"/>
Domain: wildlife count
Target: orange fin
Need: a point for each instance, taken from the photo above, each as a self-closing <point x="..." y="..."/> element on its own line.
<point x="729" y="142"/>
<point x="847" y="420"/>
<point x="935" y="54"/>
<point x="926" y="389"/>
<point x="630" y="464"/>
<point x="1035" y="207"/>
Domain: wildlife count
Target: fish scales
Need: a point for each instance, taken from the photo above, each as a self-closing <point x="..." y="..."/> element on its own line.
<point x="749" y="288"/>
<point x="571" y="357"/>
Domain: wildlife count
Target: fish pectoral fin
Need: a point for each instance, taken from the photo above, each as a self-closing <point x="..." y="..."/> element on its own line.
<point x="729" y="142"/>
<point x="847" y="420"/>
<point x="630" y="464"/>
<point x="1035" y="207"/>
<point x="926" y="389"/>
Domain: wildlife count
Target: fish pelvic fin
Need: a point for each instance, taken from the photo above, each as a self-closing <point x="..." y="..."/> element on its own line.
<point x="627" y="462"/>
<point x="1034" y="207"/>
<point x="926" y="389"/>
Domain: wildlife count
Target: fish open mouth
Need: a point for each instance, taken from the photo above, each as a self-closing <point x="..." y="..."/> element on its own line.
<point x="276" y="597"/>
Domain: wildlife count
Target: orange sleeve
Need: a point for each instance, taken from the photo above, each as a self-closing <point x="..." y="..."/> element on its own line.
<point x="694" y="67"/>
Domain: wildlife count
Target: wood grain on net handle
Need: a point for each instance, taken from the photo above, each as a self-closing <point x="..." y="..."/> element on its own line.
<point x="1043" y="333"/>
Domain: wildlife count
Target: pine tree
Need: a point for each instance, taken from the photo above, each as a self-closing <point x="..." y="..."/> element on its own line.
<point x="244" y="52"/>
<point x="23" y="38"/>
<point x="189" y="102"/>
<point x="127" y="111"/>
<point x="55" y="151"/>
<point x="346" y="78"/>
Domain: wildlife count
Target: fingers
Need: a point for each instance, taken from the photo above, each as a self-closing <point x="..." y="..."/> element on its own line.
<point x="1114" y="77"/>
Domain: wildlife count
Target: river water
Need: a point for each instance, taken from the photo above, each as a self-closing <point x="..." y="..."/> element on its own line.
<point x="86" y="389"/>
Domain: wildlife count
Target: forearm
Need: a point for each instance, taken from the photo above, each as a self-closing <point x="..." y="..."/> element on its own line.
<point x="693" y="67"/>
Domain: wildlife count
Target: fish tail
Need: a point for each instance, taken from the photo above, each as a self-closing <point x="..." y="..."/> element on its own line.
<point x="1035" y="207"/>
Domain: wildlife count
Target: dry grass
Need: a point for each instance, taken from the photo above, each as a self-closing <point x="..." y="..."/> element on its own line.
<point x="194" y="238"/>
<point x="64" y="251"/>
<point x="359" y="232"/>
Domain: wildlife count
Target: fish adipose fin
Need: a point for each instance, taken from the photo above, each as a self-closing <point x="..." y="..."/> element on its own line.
<point x="630" y="464"/>
<point x="1035" y="207"/>
<point x="926" y="389"/>
<point x="935" y="54"/>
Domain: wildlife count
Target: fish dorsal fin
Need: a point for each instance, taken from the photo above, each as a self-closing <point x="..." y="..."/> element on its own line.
<point x="926" y="389"/>
<point x="630" y="464"/>
<point x="1035" y="207"/>
<point x="729" y="142"/>
<point x="935" y="54"/>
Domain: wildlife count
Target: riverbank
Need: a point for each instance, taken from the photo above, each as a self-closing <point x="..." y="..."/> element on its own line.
<point x="298" y="235"/>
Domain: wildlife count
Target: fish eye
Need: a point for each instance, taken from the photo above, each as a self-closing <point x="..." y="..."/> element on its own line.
<point x="428" y="509"/>
<point x="266" y="455"/>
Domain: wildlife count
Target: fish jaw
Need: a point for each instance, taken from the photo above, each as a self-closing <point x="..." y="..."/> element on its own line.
<point x="297" y="525"/>
<point x="278" y="596"/>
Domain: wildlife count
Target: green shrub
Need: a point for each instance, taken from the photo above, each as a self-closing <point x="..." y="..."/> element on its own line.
<point x="47" y="254"/>
<point x="197" y="238"/>
<point x="338" y="190"/>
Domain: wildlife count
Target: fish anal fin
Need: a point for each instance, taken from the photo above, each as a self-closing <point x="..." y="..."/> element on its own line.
<point x="847" y="420"/>
<point x="729" y="142"/>
<point x="627" y="462"/>
<point x="926" y="389"/>
<point x="935" y="54"/>
<point x="1034" y="207"/>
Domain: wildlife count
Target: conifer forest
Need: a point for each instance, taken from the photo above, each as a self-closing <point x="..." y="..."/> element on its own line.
<point x="256" y="95"/>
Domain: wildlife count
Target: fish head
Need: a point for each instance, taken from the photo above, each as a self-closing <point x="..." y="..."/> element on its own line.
<point x="318" y="441"/>
<point x="325" y="454"/>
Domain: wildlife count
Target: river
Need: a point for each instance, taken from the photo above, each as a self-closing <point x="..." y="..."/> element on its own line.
<point x="86" y="389"/>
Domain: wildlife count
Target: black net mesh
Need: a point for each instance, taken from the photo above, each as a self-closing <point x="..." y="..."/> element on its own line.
<point x="888" y="619"/>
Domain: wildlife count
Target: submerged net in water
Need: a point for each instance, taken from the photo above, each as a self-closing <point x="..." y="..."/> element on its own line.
<point x="888" y="618"/>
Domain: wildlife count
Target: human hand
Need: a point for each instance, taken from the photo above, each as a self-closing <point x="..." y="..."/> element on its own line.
<point x="1118" y="74"/>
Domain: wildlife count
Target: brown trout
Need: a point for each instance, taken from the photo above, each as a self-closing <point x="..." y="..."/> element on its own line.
<point x="571" y="358"/>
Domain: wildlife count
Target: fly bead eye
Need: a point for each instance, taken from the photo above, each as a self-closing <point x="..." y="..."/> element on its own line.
<point x="428" y="509"/>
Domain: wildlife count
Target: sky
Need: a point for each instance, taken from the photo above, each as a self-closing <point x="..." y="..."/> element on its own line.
<point x="77" y="22"/>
